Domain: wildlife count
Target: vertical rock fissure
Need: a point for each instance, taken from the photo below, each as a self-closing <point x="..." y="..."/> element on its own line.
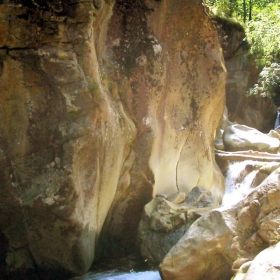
<point x="94" y="101"/>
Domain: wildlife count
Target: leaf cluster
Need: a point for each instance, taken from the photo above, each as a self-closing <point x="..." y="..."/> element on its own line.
<point x="263" y="34"/>
<point x="261" y="20"/>
<point x="268" y="84"/>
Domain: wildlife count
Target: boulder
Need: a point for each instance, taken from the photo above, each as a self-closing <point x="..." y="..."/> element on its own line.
<point x="238" y="137"/>
<point x="200" y="197"/>
<point x="255" y="111"/>
<point x="223" y="242"/>
<point x="202" y="252"/>
<point x="163" y="223"/>
<point x="104" y="105"/>
<point x="265" y="266"/>
<point x="163" y="87"/>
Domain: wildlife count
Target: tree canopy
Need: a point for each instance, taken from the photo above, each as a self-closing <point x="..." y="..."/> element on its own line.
<point x="263" y="33"/>
<point x="268" y="84"/>
<point x="242" y="10"/>
<point x="261" y="19"/>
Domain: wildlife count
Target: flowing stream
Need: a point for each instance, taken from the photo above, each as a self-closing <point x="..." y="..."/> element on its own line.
<point x="238" y="182"/>
<point x="118" y="275"/>
<point x="130" y="267"/>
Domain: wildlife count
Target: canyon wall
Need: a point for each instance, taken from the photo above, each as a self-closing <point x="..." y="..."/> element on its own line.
<point x="242" y="74"/>
<point x="104" y="104"/>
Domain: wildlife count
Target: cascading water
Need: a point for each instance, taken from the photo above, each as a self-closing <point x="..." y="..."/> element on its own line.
<point x="239" y="180"/>
<point x="117" y="275"/>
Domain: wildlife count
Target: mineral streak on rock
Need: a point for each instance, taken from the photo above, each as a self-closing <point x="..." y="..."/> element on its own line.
<point x="64" y="139"/>
<point x="103" y="104"/>
<point x="193" y="77"/>
<point x="165" y="59"/>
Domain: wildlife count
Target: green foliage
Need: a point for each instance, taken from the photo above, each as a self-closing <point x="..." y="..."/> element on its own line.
<point x="268" y="83"/>
<point x="241" y="10"/>
<point x="221" y="8"/>
<point x="263" y="34"/>
<point x="261" y="19"/>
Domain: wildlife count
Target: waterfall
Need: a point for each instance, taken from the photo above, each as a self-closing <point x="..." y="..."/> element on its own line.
<point x="239" y="180"/>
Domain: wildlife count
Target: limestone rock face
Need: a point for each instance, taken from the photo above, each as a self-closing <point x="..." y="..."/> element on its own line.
<point x="257" y="112"/>
<point x="59" y="167"/>
<point x="165" y="72"/>
<point x="232" y="38"/>
<point x="103" y="105"/>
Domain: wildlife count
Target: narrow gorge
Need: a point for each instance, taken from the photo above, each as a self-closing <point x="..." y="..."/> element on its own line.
<point x="107" y="106"/>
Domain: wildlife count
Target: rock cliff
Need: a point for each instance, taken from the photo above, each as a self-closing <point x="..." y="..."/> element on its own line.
<point x="103" y="105"/>
<point x="242" y="74"/>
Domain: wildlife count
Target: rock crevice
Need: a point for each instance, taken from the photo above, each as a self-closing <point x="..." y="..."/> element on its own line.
<point x="104" y="104"/>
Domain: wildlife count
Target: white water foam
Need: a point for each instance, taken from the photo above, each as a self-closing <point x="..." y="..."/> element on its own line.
<point x="116" y="275"/>
<point x="238" y="182"/>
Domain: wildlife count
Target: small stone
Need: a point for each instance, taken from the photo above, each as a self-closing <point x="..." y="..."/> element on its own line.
<point x="200" y="197"/>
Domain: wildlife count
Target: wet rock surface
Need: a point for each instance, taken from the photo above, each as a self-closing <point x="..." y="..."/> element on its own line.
<point x="104" y="104"/>
<point x="238" y="137"/>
